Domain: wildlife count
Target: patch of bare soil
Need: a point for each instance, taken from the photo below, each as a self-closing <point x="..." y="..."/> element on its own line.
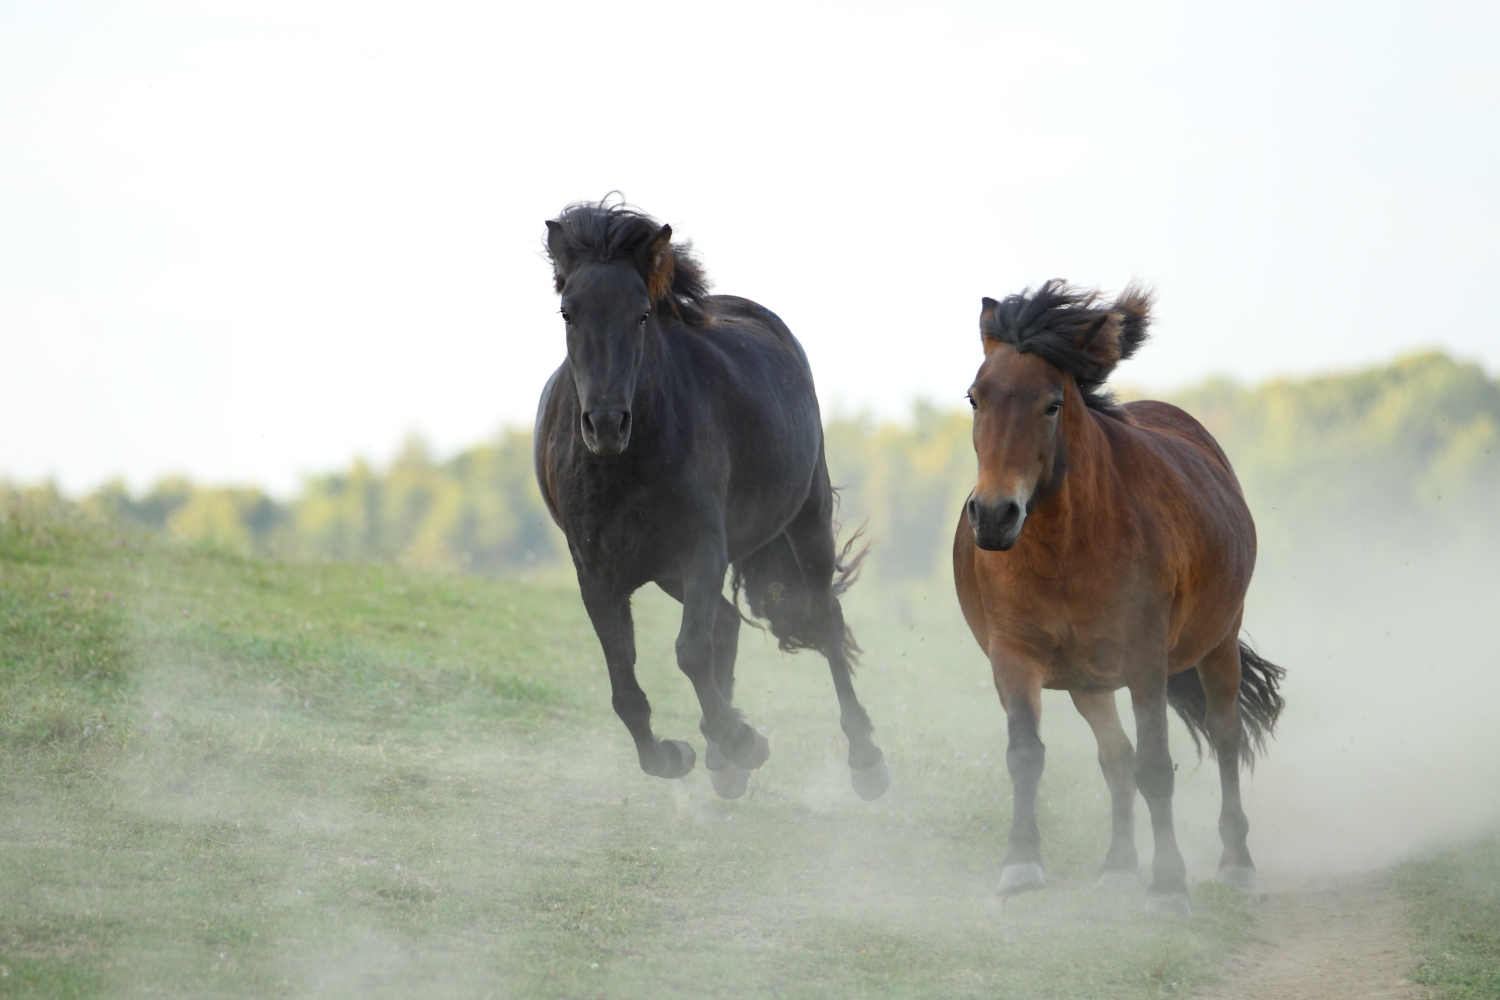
<point x="1328" y="938"/>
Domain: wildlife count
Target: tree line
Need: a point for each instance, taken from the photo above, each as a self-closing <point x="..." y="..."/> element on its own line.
<point x="1411" y="448"/>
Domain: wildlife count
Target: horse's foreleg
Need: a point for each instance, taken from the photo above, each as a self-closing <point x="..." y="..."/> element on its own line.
<point x="702" y="600"/>
<point x="1117" y="761"/>
<point x="729" y="779"/>
<point x="1220" y="673"/>
<point x="1025" y="756"/>
<point x="609" y="610"/>
<point x="1153" y="776"/>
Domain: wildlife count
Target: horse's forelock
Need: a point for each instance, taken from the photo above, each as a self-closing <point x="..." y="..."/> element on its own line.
<point x="1069" y="328"/>
<point x="608" y="232"/>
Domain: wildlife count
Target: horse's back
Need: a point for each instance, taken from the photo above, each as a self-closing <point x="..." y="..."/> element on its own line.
<point x="1178" y="425"/>
<point x="735" y="311"/>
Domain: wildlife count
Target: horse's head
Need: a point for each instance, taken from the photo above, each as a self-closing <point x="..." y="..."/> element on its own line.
<point x="1046" y="357"/>
<point x="616" y="270"/>
<point x="606" y="305"/>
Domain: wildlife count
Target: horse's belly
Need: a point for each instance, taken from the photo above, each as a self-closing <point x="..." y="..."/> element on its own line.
<point x="1097" y="665"/>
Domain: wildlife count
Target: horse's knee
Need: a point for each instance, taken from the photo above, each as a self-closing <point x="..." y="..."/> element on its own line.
<point x="1026" y="759"/>
<point x="1153" y="776"/>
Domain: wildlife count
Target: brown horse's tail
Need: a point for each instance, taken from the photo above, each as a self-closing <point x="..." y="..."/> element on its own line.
<point x="1260" y="703"/>
<point x="771" y="581"/>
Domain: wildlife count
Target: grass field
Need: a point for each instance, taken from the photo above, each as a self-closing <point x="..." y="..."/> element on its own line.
<point x="1453" y="897"/>
<point x="222" y="777"/>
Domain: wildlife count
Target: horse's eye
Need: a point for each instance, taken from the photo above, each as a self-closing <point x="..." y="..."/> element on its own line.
<point x="565" y="316"/>
<point x="972" y="405"/>
<point x="1054" y="408"/>
<point x="645" y="316"/>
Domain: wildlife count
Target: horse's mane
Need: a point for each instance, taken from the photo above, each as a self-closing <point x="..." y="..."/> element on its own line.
<point x="1073" y="330"/>
<point x="608" y="231"/>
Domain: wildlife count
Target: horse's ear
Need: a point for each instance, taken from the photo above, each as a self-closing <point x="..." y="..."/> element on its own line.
<point x="658" y="264"/>
<point x="555" y="246"/>
<point x="989" y="323"/>
<point x="1134" y="308"/>
<point x="557" y="249"/>
<point x="1102" y="342"/>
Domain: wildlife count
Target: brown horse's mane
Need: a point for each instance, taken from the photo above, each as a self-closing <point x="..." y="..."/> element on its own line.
<point x="1071" y="329"/>
<point x="606" y="231"/>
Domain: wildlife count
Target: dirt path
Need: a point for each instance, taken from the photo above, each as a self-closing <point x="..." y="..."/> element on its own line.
<point x="1328" y="938"/>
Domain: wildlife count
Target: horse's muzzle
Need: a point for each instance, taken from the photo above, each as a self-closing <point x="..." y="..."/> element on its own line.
<point x="996" y="525"/>
<point x="606" y="430"/>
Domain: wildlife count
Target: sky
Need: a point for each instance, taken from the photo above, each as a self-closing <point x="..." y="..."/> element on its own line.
<point x="245" y="242"/>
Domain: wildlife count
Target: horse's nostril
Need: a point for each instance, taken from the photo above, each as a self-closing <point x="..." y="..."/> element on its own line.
<point x="625" y="423"/>
<point x="588" y="424"/>
<point x="973" y="508"/>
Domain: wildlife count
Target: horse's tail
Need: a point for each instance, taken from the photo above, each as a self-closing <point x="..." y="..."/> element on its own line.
<point x="775" y="590"/>
<point x="849" y="562"/>
<point x="1260" y="703"/>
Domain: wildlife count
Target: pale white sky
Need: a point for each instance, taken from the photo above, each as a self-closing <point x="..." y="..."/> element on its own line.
<point x="245" y="241"/>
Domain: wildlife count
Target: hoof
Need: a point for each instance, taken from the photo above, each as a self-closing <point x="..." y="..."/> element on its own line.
<point x="1119" y="881"/>
<point x="729" y="781"/>
<point x="1240" y="877"/>
<point x="1016" y="879"/>
<point x="758" y="754"/>
<point x="678" y="759"/>
<point x="870" y="783"/>
<point x="1174" y="903"/>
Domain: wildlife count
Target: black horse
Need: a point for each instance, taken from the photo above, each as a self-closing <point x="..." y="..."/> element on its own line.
<point x="682" y="435"/>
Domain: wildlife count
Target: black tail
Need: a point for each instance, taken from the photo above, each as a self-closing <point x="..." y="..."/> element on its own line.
<point x="1260" y="703"/>
<point x="775" y="590"/>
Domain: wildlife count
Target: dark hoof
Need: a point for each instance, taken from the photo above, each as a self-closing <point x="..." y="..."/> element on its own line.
<point x="1119" y="881"/>
<point x="758" y="754"/>
<point x="870" y="783"/>
<point x="1016" y="879"/>
<point x="676" y="760"/>
<point x="729" y="781"/>
<point x="1240" y="877"/>
<point x="1175" y="903"/>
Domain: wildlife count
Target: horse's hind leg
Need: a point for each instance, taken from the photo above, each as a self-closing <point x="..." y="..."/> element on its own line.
<point x="1220" y="673"/>
<point x="610" y="613"/>
<point x="868" y="771"/>
<point x="1117" y="761"/>
<point x="1153" y="776"/>
<point x="708" y="619"/>
<point x="814" y="548"/>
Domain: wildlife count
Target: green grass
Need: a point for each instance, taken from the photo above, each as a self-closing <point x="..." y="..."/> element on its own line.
<point x="1454" y="900"/>
<point x="223" y="777"/>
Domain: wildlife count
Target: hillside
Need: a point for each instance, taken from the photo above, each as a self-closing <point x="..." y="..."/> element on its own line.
<point x="232" y="777"/>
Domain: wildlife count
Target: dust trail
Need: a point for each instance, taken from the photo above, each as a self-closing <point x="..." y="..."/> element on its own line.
<point x="1388" y="743"/>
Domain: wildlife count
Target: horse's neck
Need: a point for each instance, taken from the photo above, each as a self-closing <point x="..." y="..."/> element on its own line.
<point x="653" y="384"/>
<point x="1072" y="516"/>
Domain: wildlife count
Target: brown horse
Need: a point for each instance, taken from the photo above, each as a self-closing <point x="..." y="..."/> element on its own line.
<point x="1107" y="546"/>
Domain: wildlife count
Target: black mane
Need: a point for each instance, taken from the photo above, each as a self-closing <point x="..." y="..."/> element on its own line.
<point x="604" y="231"/>
<point x="1071" y="329"/>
